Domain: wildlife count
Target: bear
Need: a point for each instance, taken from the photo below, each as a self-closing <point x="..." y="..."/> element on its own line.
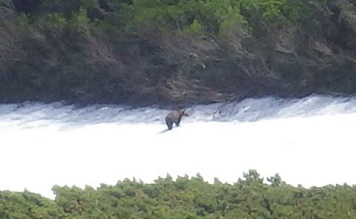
<point x="175" y="117"/>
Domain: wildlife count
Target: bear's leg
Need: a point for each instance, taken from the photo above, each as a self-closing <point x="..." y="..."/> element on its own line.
<point x="177" y="122"/>
<point x="169" y="123"/>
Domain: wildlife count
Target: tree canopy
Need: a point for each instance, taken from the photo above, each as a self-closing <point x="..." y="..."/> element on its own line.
<point x="186" y="197"/>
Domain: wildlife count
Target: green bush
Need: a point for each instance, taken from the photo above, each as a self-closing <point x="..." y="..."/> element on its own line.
<point x="186" y="197"/>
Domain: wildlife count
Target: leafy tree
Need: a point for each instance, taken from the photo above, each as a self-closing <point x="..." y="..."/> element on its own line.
<point x="186" y="197"/>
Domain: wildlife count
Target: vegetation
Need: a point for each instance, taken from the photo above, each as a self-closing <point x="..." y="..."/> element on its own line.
<point x="174" y="51"/>
<point x="186" y="197"/>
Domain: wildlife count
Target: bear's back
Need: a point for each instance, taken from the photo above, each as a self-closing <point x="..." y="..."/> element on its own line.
<point x="174" y="116"/>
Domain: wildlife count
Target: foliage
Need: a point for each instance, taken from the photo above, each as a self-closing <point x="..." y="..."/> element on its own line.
<point x="117" y="51"/>
<point x="27" y="205"/>
<point x="186" y="197"/>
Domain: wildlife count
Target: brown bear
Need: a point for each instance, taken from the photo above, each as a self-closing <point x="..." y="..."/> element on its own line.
<point x="175" y="117"/>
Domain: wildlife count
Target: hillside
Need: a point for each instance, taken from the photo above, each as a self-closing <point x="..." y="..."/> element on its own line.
<point x="175" y="51"/>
